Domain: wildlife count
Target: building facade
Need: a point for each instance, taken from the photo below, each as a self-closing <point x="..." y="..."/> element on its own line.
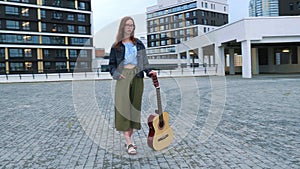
<point x="172" y="22"/>
<point x="289" y="7"/>
<point x="263" y="8"/>
<point x="44" y="36"/>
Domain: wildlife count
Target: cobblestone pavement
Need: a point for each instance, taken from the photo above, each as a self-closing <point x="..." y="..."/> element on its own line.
<point x="70" y="124"/>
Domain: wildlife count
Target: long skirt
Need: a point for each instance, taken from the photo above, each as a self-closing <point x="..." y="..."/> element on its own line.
<point x="128" y="101"/>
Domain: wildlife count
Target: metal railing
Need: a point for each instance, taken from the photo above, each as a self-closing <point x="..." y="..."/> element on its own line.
<point x="98" y="74"/>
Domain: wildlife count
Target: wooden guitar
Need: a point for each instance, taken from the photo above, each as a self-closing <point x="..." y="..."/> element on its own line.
<point x="160" y="133"/>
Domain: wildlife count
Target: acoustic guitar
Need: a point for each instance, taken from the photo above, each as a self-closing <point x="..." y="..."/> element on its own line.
<point x="160" y="133"/>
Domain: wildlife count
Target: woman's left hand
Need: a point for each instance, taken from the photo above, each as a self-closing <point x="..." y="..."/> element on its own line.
<point x="152" y="73"/>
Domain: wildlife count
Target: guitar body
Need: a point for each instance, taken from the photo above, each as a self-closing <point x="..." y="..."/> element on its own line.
<point x="160" y="136"/>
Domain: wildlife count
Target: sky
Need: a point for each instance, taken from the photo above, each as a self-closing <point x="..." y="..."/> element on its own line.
<point x="107" y="13"/>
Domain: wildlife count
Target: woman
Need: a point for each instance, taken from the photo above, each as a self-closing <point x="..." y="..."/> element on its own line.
<point x="128" y="62"/>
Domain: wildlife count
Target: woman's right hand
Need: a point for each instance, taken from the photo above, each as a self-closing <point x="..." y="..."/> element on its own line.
<point x="122" y="77"/>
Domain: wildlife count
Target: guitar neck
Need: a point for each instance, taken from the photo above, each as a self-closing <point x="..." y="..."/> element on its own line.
<point x="159" y="105"/>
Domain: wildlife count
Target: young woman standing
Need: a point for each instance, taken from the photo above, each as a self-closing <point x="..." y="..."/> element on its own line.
<point x="128" y="62"/>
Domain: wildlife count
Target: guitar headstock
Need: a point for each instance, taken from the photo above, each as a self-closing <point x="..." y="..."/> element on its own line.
<point x="155" y="81"/>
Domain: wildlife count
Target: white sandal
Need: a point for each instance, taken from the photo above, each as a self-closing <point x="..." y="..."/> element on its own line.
<point x="134" y="145"/>
<point x="131" y="150"/>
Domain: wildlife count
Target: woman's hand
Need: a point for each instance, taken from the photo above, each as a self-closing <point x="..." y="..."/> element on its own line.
<point x="152" y="73"/>
<point x="122" y="77"/>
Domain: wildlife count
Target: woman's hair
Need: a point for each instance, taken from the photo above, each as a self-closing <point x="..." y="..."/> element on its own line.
<point x="120" y="35"/>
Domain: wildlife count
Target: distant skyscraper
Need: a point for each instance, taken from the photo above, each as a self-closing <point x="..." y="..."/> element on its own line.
<point x="263" y="8"/>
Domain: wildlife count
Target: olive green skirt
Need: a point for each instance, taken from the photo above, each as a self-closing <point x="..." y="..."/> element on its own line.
<point x="128" y="101"/>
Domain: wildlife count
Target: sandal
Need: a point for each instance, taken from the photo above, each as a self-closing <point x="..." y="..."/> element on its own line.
<point x="134" y="145"/>
<point x="131" y="150"/>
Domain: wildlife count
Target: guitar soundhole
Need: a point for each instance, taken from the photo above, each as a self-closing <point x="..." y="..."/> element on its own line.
<point x="161" y="124"/>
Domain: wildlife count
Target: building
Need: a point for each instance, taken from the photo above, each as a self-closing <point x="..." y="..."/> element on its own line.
<point x="274" y="8"/>
<point x="289" y="7"/>
<point x="43" y="36"/>
<point x="266" y="44"/>
<point x="171" y="22"/>
<point x="263" y="8"/>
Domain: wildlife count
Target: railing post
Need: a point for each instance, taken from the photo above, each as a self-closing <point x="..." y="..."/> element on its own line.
<point x="6" y="76"/>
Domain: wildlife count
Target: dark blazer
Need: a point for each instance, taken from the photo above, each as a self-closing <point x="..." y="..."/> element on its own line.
<point x="117" y="56"/>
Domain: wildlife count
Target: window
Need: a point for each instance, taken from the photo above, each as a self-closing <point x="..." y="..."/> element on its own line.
<point x="27" y="52"/>
<point x="73" y="65"/>
<point x="44" y="2"/>
<point x="57" y="15"/>
<point x="2" y="67"/>
<point x="46" y="53"/>
<point x="47" y="65"/>
<point x="44" y="27"/>
<point x="73" y="53"/>
<point x="60" y="65"/>
<point x="291" y="6"/>
<point x="82" y="29"/>
<point x="28" y="65"/>
<point x="285" y="55"/>
<point x="83" y="53"/>
<point x="80" y="41"/>
<point x="43" y="14"/>
<point x="187" y="23"/>
<point x="71" y="29"/>
<point x="12" y="24"/>
<point x="70" y="4"/>
<point x="81" y="18"/>
<point x="25" y="12"/>
<point x="187" y="15"/>
<point x="56" y="3"/>
<point x="70" y="17"/>
<point x="10" y="10"/>
<point x="25" y="25"/>
<point x="16" y="66"/>
<point x="82" y="6"/>
<point x="83" y="64"/>
<point x="60" y="53"/>
<point x="57" y="28"/>
<point x="15" y="53"/>
<point x="2" y="53"/>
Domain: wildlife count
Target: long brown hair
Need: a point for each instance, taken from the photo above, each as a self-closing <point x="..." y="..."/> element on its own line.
<point x="120" y="35"/>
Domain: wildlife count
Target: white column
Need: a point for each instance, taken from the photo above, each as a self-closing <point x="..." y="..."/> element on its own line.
<point x="246" y="59"/>
<point x="220" y="60"/>
<point x="255" y="63"/>
<point x="231" y="59"/>
<point x="179" y="60"/>
<point x="188" y="57"/>
<point x="298" y="53"/>
<point x="200" y="55"/>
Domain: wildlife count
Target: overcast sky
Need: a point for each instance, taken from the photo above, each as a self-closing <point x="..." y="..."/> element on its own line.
<point x="108" y="11"/>
<point x="107" y="14"/>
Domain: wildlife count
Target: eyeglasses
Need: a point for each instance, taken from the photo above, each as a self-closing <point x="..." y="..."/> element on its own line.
<point x="129" y="25"/>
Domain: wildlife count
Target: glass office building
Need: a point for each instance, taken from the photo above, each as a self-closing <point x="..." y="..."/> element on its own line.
<point x="44" y="36"/>
<point x="263" y="8"/>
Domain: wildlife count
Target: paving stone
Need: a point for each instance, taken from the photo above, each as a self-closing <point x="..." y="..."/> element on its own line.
<point x="54" y="125"/>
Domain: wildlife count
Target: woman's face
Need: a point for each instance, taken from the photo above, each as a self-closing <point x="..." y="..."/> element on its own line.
<point x="129" y="27"/>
